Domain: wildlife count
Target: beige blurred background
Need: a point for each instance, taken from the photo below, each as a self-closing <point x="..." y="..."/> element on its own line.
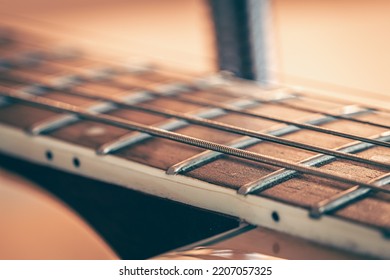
<point x="339" y="45"/>
<point x="335" y="45"/>
<point x="328" y="45"/>
<point x="172" y="32"/>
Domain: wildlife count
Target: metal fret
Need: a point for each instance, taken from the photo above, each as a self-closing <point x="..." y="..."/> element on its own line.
<point x="65" y="82"/>
<point x="283" y="175"/>
<point x="55" y="106"/>
<point x="346" y="197"/>
<point x="137" y="137"/>
<point x="137" y="97"/>
<point x="3" y="102"/>
<point x="171" y="89"/>
<point x="28" y="59"/>
<point x="37" y="58"/>
<point x="100" y="73"/>
<point x="60" y="121"/>
<point x="241" y="143"/>
<point x="133" y="138"/>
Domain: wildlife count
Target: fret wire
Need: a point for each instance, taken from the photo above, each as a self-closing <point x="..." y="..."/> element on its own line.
<point x="3" y="102"/>
<point x="51" y="124"/>
<point x="22" y="60"/>
<point x="133" y="138"/>
<point x="60" y="121"/>
<point x="230" y="128"/>
<point x="136" y="137"/>
<point x="346" y="197"/>
<point x="57" y="122"/>
<point x="206" y="157"/>
<point x="283" y="175"/>
<point x="126" y="124"/>
<point x="242" y="131"/>
<point x="37" y="58"/>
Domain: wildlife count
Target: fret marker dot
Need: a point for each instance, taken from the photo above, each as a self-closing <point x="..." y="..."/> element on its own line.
<point x="76" y="162"/>
<point x="275" y="216"/>
<point x="95" y="131"/>
<point x="49" y="155"/>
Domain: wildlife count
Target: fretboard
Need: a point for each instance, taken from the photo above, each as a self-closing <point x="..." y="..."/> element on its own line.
<point x="273" y="157"/>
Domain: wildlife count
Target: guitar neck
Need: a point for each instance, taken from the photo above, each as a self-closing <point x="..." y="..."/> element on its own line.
<point x="272" y="157"/>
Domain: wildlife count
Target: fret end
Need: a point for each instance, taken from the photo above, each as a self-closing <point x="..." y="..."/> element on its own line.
<point x="244" y="190"/>
<point x="316" y="213"/>
<point x="33" y="131"/>
<point x="386" y="233"/>
<point x="101" y="152"/>
<point x="173" y="170"/>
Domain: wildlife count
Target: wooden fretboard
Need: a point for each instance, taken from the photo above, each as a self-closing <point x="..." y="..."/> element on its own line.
<point x="310" y="166"/>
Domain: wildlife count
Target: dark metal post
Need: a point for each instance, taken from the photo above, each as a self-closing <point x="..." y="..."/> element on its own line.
<point x="241" y="37"/>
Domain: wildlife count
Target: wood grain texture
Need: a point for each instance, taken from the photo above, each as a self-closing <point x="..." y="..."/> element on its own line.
<point x="88" y="134"/>
<point x="23" y="116"/>
<point x="378" y="117"/>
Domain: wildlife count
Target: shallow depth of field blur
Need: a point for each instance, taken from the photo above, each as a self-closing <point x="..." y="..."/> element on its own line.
<point x="335" y="45"/>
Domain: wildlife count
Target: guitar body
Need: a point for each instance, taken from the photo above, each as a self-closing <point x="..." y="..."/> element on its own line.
<point x="40" y="226"/>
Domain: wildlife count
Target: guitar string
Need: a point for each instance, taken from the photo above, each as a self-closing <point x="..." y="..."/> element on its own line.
<point x="56" y="106"/>
<point x="229" y="128"/>
<point x="272" y="118"/>
<point x="283" y="103"/>
<point x="248" y="112"/>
